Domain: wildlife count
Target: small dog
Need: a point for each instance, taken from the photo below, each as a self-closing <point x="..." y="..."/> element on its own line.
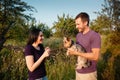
<point x="81" y="62"/>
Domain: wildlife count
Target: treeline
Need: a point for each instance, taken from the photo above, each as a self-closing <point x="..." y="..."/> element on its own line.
<point x="15" y="24"/>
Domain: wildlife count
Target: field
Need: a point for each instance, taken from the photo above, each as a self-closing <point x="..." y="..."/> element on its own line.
<point x="58" y="65"/>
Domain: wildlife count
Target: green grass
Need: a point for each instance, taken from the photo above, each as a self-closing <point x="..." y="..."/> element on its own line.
<point x="58" y="65"/>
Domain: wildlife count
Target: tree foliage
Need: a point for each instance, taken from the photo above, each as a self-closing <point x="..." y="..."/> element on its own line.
<point x="108" y="21"/>
<point x="101" y="24"/>
<point x="65" y="26"/>
<point x="12" y="18"/>
<point x="44" y="28"/>
<point x="111" y="9"/>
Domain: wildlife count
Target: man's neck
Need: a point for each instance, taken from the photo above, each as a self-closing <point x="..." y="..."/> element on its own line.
<point x="87" y="29"/>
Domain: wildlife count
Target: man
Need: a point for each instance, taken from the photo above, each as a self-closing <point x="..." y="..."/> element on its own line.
<point x="91" y="41"/>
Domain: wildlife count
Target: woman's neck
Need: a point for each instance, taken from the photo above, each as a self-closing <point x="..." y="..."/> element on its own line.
<point x="35" y="45"/>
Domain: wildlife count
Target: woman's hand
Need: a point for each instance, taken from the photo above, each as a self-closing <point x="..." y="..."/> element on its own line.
<point x="46" y="52"/>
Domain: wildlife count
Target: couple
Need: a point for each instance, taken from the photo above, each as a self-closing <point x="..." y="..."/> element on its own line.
<point x="89" y="39"/>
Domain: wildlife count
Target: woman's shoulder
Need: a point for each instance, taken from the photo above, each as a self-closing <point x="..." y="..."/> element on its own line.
<point x="28" y="50"/>
<point x="28" y="46"/>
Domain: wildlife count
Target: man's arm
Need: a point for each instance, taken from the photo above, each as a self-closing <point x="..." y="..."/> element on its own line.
<point x="94" y="55"/>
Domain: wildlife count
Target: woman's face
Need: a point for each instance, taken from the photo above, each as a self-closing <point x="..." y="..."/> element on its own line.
<point x="40" y="38"/>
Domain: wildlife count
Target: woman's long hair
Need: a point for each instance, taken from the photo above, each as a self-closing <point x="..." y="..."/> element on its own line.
<point x="33" y="36"/>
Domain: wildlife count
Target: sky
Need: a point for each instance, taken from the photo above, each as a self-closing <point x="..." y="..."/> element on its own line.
<point x="48" y="10"/>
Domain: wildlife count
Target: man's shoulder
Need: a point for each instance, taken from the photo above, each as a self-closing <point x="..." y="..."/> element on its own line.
<point x="94" y="33"/>
<point x="78" y="34"/>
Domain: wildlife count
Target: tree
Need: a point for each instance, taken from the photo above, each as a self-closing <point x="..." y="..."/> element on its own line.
<point x="65" y="26"/>
<point x="12" y="15"/>
<point x="109" y="21"/>
<point x="111" y="8"/>
<point x="101" y="24"/>
<point x="43" y="27"/>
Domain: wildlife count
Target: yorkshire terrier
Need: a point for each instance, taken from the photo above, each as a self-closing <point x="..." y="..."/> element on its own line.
<point x="81" y="61"/>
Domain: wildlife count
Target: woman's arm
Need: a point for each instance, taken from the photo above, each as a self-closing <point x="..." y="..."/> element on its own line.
<point x="30" y="60"/>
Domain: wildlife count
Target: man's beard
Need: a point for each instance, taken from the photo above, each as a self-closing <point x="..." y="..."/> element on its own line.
<point x="81" y="30"/>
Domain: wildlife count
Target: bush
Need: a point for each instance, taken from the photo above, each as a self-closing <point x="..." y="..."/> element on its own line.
<point x="13" y="65"/>
<point x="58" y="65"/>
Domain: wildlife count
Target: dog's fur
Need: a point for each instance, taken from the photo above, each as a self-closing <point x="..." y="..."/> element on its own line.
<point x="81" y="62"/>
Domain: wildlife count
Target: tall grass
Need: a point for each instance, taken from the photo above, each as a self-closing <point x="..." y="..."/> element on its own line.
<point x="58" y="65"/>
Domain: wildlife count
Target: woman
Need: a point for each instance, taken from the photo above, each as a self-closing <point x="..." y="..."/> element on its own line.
<point x="35" y="55"/>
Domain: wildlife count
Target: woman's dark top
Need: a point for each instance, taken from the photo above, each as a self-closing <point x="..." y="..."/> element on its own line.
<point x="40" y="70"/>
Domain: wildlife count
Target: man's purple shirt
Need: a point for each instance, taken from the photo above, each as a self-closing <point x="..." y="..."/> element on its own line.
<point x="89" y="40"/>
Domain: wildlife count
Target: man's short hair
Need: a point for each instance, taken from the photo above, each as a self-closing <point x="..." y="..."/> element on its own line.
<point x="84" y="17"/>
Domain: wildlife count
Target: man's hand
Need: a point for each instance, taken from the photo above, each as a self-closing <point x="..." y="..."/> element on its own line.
<point x="72" y="52"/>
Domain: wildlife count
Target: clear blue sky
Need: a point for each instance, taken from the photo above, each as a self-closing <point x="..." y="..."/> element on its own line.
<point x="47" y="10"/>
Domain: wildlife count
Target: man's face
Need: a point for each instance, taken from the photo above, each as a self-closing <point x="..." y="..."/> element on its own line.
<point x="80" y="25"/>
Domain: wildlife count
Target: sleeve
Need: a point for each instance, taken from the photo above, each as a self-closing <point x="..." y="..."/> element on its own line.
<point x="96" y="41"/>
<point x="28" y="50"/>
